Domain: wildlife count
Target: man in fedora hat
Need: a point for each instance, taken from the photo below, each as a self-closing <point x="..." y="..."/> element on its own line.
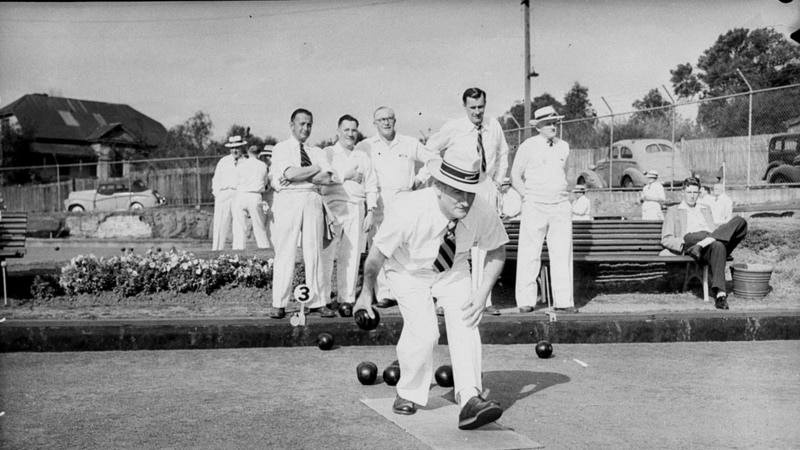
<point x="423" y="244"/>
<point x="581" y="207"/>
<point x="483" y="136"/>
<point x="223" y="187"/>
<point x="539" y="174"/>
<point x="653" y="197"/>
<point x="253" y="177"/>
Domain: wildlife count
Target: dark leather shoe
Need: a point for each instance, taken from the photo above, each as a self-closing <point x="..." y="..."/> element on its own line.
<point x="403" y="406"/>
<point x="694" y="251"/>
<point x="491" y="310"/>
<point x="721" y="302"/>
<point x="322" y="311"/>
<point x="525" y="309"/>
<point x="277" y="313"/>
<point x="570" y="310"/>
<point x="478" y="412"/>
<point x="386" y="303"/>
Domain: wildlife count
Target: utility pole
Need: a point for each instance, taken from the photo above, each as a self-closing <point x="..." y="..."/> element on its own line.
<point x="529" y="72"/>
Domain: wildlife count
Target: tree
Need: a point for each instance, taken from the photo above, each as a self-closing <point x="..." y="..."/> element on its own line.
<point x="191" y="138"/>
<point x="652" y="99"/>
<point x="766" y="58"/>
<point x="581" y="118"/>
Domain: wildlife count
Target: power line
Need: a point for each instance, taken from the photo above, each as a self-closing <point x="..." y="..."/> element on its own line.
<point x="242" y="16"/>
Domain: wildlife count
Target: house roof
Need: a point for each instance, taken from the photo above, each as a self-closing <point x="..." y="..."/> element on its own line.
<point x="79" y="121"/>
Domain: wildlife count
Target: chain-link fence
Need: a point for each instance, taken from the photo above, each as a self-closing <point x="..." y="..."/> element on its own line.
<point x="753" y="137"/>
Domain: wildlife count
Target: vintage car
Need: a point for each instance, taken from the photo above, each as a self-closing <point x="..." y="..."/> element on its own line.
<point x="785" y="173"/>
<point x="782" y="151"/>
<point x="628" y="161"/>
<point x="114" y="196"/>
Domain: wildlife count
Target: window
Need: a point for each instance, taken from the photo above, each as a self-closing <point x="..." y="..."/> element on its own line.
<point x="105" y="189"/>
<point x="615" y="153"/>
<point x="68" y="119"/>
<point x="626" y="153"/>
<point x="790" y="145"/>
<point x="99" y="119"/>
<point x="666" y="148"/>
<point x="652" y="148"/>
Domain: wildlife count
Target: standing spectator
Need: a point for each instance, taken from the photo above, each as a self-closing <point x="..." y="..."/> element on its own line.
<point x="485" y="138"/>
<point x="539" y="175"/>
<point x="652" y="197"/>
<point x="352" y="203"/>
<point x="581" y="207"/>
<point x="510" y="201"/>
<point x="424" y="244"/>
<point x="689" y="229"/>
<point x="722" y="205"/>
<point x="267" y="198"/>
<point x="223" y="187"/>
<point x="253" y="177"/>
<point x="395" y="158"/>
<point x="298" y="171"/>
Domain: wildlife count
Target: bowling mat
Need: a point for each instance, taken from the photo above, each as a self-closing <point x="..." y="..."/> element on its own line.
<point x="436" y="425"/>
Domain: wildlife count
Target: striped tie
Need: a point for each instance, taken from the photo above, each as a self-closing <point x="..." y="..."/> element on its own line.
<point x="480" y="148"/>
<point x="550" y="142"/>
<point x="447" y="251"/>
<point x="305" y="161"/>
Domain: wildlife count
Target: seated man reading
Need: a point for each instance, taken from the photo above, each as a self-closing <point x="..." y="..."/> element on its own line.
<point x="689" y="229"/>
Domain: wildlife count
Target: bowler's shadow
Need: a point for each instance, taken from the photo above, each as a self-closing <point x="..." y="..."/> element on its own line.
<point x="509" y="386"/>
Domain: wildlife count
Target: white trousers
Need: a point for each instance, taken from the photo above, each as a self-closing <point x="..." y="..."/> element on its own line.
<point x="421" y="332"/>
<point x="223" y="218"/>
<point x="346" y="247"/>
<point x="382" y="289"/>
<point x="487" y="190"/>
<point x="249" y="203"/>
<point x="297" y="212"/>
<point x="553" y="221"/>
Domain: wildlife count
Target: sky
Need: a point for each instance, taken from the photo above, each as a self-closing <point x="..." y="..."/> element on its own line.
<point x="253" y="63"/>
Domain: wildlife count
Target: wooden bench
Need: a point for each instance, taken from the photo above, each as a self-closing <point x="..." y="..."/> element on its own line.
<point x="13" y="228"/>
<point x="612" y="241"/>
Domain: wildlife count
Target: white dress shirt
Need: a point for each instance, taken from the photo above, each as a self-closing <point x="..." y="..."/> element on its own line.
<point x="412" y="233"/>
<point x="252" y="174"/>
<point x="495" y="146"/>
<point x="286" y="154"/>
<point x="395" y="162"/>
<point x="345" y="163"/>
<point x="543" y="170"/>
<point x="225" y="176"/>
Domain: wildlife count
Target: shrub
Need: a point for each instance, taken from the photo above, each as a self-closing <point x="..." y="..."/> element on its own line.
<point x="45" y="287"/>
<point x="157" y="271"/>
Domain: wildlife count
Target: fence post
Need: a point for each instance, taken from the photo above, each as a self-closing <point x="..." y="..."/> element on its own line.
<point x="610" y="144"/>
<point x="672" y="120"/>
<point x="197" y="179"/>
<point x="749" y="125"/>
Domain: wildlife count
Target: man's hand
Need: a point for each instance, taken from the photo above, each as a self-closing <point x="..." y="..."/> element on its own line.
<point x="365" y="302"/>
<point x="473" y="310"/>
<point x="284" y="182"/>
<point x="369" y="221"/>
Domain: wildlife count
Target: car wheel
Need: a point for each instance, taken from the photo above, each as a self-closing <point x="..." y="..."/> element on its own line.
<point x="780" y="178"/>
<point x="627" y="182"/>
<point x="136" y="206"/>
<point x="76" y="208"/>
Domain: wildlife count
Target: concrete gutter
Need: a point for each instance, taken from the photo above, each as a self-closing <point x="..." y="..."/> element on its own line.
<point x="174" y="334"/>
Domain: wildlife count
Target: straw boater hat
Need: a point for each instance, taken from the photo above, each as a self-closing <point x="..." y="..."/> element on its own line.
<point x="546" y="114"/>
<point x="651" y="174"/>
<point x="235" y="141"/>
<point x="457" y="169"/>
<point x="579" y="188"/>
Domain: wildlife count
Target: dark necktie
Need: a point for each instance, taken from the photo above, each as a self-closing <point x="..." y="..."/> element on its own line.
<point x="447" y="251"/>
<point x="480" y="148"/>
<point x="305" y="161"/>
<point x="550" y="142"/>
